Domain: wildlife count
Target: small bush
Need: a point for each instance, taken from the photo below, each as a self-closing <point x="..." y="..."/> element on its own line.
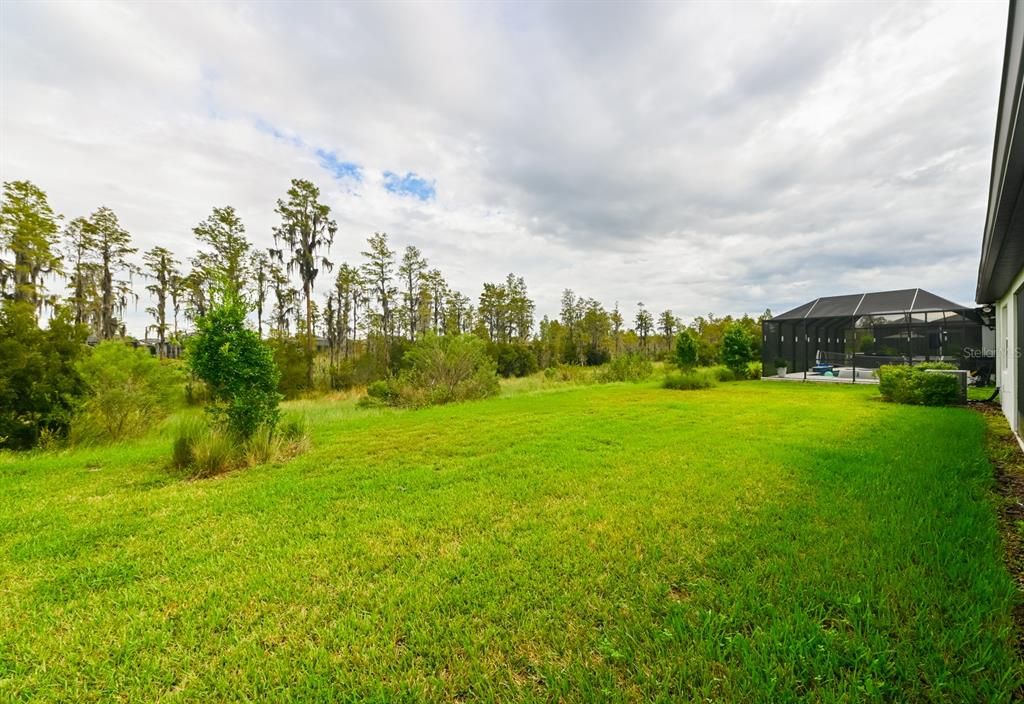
<point x="754" y="370"/>
<point x="915" y="386"/>
<point x="689" y="381"/>
<point x="723" y="373"/>
<point x="571" y="373"/>
<point x="627" y="367"/>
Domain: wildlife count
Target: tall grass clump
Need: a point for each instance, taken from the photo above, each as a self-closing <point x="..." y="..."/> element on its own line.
<point x="213" y="452"/>
<point x="690" y="381"/>
<point x="185" y="435"/>
<point x="204" y="450"/>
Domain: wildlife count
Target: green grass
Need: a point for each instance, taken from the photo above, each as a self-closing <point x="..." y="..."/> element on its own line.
<point x="753" y="542"/>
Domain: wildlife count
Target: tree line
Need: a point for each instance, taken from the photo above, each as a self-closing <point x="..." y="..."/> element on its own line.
<point x="90" y="270"/>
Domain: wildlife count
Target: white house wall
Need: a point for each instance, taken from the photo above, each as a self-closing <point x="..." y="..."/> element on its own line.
<point x="1006" y="351"/>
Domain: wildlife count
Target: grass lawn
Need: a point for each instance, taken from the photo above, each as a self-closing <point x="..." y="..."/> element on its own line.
<point x="753" y="542"/>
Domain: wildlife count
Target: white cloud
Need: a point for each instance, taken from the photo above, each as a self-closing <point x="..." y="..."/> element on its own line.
<point x="694" y="156"/>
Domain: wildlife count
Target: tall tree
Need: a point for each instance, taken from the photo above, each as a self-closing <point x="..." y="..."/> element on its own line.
<point x="438" y="289"/>
<point x="193" y="291"/>
<point x="284" y="300"/>
<point x="28" y="233"/>
<point x="668" y="324"/>
<point x="378" y="272"/>
<point x="615" y="317"/>
<point x="260" y="273"/>
<point x="112" y="247"/>
<point x="458" y="314"/>
<point x="595" y="325"/>
<point x="411" y="271"/>
<point x="83" y="276"/>
<point x="348" y="286"/>
<point x="162" y="269"/>
<point x="644" y="324"/>
<point x="520" y="309"/>
<point x="177" y="294"/>
<point x="226" y="262"/>
<point x="572" y="312"/>
<point x="306" y="229"/>
<point x="493" y="312"/>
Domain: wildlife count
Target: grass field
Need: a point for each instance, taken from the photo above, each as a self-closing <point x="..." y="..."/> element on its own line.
<point x="753" y="542"/>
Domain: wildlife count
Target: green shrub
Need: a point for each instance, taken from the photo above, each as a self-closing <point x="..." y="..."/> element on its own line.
<point x="689" y="381"/>
<point x="440" y="369"/>
<point x="738" y="348"/>
<point x="290" y="359"/>
<point x="513" y="359"/>
<point x="40" y="386"/>
<point x="723" y="373"/>
<point x="685" y="353"/>
<point x="128" y="391"/>
<point x="627" y="367"/>
<point x="237" y="367"/>
<point x="916" y="386"/>
<point x="754" y="370"/>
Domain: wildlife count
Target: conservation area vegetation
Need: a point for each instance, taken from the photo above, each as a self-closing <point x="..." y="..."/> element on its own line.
<point x="563" y="541"/>
<point x="240" y="328"/>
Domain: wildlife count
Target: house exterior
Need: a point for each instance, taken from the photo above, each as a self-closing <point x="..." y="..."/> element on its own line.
<point x="1001" y="271"/>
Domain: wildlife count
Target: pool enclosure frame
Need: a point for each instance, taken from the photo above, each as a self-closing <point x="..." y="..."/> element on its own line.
<point x="867" y="330"/>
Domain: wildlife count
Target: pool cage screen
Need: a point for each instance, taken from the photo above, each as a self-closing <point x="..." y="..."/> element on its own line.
<point x="865" y="331"/>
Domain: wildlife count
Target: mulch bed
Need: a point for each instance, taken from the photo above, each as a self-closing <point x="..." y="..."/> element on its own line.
<point x="1008" y="459"/>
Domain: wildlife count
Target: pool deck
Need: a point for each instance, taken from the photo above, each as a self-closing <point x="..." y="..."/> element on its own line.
<point x="818" y="378"/>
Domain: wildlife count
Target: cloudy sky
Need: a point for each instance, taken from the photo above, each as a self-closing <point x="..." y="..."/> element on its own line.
<point x="699" y="157"/>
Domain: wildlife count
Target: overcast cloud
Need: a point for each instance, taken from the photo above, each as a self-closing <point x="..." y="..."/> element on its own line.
<point x="700" y="157"/>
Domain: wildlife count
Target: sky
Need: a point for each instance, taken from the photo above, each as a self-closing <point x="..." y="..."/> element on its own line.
<point x="698" y="157"/>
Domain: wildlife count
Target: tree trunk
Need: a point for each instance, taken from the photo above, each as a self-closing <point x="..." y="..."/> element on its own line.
<point x="309" y="336"/>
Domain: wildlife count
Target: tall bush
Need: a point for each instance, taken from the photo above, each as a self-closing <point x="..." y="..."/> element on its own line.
<point x="685" y="355"/>
<point x="513" y="359"/>
<point x="738" y="348"/>
<point x="39" y="384"/>
<point x="627" y="367"/>
<point x="441" y="369"/>
<point x="237" y="366"/>
<point x="128" y="390"/>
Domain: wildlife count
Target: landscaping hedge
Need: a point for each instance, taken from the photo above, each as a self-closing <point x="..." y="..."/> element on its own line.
<point x="914" y="385"/>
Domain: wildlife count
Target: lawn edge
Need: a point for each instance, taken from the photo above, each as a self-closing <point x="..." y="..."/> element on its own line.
<point x="1007" y="459"/>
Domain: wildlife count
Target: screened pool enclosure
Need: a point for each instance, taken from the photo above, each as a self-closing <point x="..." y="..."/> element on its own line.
<point x="837" y="335"/>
